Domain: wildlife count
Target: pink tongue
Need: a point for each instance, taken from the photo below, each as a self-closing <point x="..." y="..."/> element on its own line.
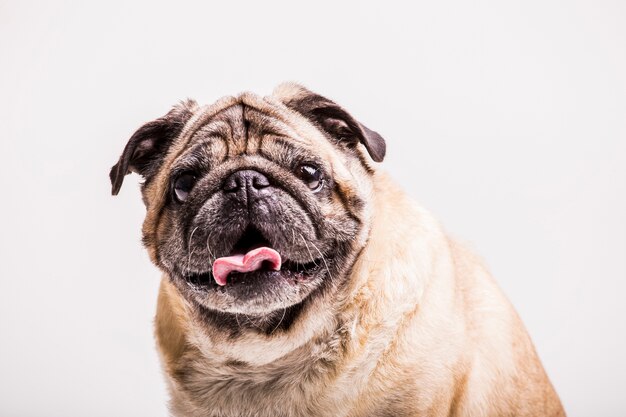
<point x="251" y="261"/>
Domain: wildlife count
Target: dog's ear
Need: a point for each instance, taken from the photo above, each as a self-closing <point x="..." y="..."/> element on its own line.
<point x="147" y="146"/>
<point x="332" y="118"/>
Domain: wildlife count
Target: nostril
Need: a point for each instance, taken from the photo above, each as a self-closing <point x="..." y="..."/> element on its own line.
<point x="260" y="181"/>
<point x="233" y="183"/>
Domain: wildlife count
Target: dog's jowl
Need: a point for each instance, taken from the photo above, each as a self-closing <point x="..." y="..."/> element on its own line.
<point x="299" y="280"/>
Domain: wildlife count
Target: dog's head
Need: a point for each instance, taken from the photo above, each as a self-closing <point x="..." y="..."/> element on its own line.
<point x="255" y="205"/>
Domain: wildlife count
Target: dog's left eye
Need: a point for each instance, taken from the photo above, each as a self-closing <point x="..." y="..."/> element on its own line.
<point x="183" y="185"/>
<point x="312" y="176"/>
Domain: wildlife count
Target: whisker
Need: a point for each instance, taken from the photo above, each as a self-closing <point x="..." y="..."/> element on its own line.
<point x="208" y="248"/>
<point x="308" y="249"/>
<point x="323" y="259"/>
<point x="190" y="249"/>
<point x="237" y="320"/>
<point x="252" y="323"/>
<point x="281" y="320"/>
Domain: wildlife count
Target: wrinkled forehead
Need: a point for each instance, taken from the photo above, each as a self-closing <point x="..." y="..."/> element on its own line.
<point x="243" y="121"/>
<point x="242" y="128"/>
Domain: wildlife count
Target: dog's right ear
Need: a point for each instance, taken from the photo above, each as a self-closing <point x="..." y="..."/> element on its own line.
<point x="331" y="118"/>
<point x="147" y="146"/>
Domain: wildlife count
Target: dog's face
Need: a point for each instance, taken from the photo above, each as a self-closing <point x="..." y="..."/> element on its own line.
<point x="255" y="206"/>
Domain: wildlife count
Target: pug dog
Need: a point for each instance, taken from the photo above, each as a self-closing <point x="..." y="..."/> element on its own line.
<point x="300" y="280"/>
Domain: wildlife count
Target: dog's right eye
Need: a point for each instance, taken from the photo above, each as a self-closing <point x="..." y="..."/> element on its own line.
<point x="312" y="177"/>
<point x="183" y="185"/>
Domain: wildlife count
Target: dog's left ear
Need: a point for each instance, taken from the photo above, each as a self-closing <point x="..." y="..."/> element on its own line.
<point x="147" y="146"/>
<point x="332" y="118"/>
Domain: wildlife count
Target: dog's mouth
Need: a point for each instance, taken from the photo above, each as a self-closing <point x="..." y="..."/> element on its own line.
<point x="254" y="260"/>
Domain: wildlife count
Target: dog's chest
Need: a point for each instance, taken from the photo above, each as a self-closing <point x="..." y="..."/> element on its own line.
<point x="294" y="386"/>
<point x="234" y="389"/>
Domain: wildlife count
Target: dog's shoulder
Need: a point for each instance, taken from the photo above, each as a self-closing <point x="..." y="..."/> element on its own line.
<point x="504" y="370"/>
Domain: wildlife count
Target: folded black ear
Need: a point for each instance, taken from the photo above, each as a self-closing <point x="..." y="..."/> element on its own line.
<point x="149" y="144"/>
<point x="335" y="121"/>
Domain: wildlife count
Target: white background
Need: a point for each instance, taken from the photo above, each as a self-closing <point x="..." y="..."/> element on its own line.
<point x="506" y="119"/>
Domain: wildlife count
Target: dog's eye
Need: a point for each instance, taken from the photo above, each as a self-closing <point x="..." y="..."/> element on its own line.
<point x="183" y="185"/>
<point x="312" y="177"/>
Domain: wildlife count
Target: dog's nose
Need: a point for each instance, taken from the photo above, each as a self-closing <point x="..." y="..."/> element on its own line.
<point x="246" y="182"/>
